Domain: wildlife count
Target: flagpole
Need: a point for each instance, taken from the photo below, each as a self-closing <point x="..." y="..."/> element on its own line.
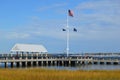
<point x="67" y="49"/>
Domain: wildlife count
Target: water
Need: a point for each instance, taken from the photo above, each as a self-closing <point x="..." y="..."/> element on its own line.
<point x="81" y="67"/>
<point x="88" y="67"/>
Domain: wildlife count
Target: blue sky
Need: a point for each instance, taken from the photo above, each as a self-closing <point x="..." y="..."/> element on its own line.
<point x="41" y="22"/>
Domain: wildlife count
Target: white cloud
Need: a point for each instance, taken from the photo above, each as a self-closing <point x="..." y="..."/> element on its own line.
<point x="17" y="35"/>
<point x="14" y="35"/>
<point x="95" y="20"/>
<point x="57" y="5"/>
<point x="98" y="19"/>
<point x="105" y="10"/>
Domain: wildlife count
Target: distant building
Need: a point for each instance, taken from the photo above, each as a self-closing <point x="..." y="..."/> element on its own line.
<point x="28" y="48"/>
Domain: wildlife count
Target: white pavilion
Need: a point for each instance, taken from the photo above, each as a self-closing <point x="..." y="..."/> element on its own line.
<point x="28" y="48"/>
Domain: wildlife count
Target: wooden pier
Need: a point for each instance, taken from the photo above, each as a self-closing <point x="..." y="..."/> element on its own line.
<point x="31" y="60"/>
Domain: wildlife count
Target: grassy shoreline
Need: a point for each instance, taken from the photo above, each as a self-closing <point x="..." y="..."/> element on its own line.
<point x="48" y="74"/>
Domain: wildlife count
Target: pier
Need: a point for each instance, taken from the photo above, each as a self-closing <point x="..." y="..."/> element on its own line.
<point x="30" y="55"/>
<point x="36" y="59"/>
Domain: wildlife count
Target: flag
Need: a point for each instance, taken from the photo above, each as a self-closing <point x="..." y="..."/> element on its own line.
<point x="70" y="13"/>
<point x="74" y="29"/>
<point x="63" y="29"/>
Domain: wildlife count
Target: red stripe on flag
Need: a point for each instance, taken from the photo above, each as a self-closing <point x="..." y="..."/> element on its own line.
<point x="70" y="13"/>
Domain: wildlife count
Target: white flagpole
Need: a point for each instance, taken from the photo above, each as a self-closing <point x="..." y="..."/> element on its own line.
<point x="67" y="49"/>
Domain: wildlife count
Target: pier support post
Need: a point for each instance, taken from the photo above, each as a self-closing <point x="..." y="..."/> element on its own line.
<point x="31" y="63"/>
<point x="36" y="55"/>
<point x="37" y="63"/>
<point x="20" y="64"/>
<point x="46" y="60"/>
<point x="12" y="65"/>
<point x="69" y="63"/>
<point x="51" y="63"/>
<point x="77" y="63"/>
<point x="26" y="64"/>
<point x="62" y="63"/>
<point x="55" y="63"/>
<point x="6" y="64"/>
<point x="0" y="64"/>
<point x="46" y="63"/>
<point x="42" y="60"/>
<point x="41" y="63"/>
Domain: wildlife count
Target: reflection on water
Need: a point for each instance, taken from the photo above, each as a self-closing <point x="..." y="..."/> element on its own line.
<point x="99" y="67"/>
<point x="81" y="67"/>
<point x="88" y="67"/>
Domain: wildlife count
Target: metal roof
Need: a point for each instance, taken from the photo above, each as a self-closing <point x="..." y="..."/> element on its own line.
<point x="28" y="48"/>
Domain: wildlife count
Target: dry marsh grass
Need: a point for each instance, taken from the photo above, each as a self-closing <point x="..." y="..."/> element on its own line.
<point x="46" y="74"/>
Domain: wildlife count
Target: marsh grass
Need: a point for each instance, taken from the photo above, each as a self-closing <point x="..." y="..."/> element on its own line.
<point x="47" y="74"/>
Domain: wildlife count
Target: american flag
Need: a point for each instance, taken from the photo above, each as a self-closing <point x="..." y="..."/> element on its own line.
<point x="70" y="13"/>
